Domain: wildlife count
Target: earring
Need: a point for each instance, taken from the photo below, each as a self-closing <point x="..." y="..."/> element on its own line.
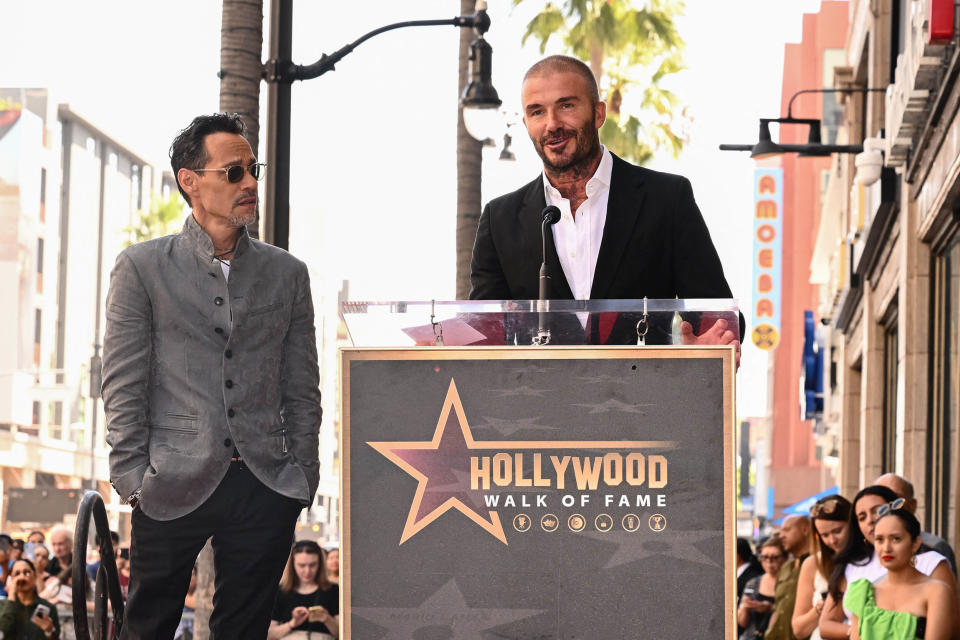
<point x="913" y="560"/>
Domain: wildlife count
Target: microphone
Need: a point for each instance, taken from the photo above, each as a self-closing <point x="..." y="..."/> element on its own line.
<point x="550" y="216"/>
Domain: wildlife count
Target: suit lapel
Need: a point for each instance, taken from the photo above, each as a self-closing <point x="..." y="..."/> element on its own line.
<point x="530" y="225"/>
<point x="623" y="209"/>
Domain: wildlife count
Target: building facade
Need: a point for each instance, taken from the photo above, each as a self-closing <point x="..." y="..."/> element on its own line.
<point x="891" y="255"/>
<point x="796" y="452"/>
<point x="68" y="195"/>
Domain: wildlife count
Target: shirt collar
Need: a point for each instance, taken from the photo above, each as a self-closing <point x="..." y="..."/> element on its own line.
<point x="201" y="243"/>
<point x="601" y="176"/>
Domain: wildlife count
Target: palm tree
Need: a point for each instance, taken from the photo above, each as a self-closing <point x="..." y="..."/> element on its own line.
<point x="162" y="218"/>
<point x="241" y="69"/>
<point x="628" y="45"/>
<point x="468" y="169"/>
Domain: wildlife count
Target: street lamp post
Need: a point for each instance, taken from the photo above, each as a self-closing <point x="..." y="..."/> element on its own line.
<point x="765" y="147"/>
<point x="280" y="72"/>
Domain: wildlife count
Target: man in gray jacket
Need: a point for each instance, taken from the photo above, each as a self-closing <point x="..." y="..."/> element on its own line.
<point x="211" y="392"/>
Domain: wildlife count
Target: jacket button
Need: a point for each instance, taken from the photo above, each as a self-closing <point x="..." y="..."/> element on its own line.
<point x="218" y="301"/>
<point x="228" y="384"/>
<point x="219" y="330"/>
<point x="231" y="413"/>
<point x="228" y="353"/>
<point x="227" y="442"/>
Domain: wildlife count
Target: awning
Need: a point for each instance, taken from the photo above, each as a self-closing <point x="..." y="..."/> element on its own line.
<point x="802" y="508"/>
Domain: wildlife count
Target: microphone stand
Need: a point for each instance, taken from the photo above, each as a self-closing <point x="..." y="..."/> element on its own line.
<point x="551" y="215"/>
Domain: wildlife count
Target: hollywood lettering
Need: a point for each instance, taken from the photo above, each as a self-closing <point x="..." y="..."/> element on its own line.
<point x="516" y="470"/>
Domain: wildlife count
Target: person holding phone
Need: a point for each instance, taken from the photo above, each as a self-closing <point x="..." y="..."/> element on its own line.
<point x="756" y="604"/>
<point x="24" y="615"/>
<point x="308" y="604"/>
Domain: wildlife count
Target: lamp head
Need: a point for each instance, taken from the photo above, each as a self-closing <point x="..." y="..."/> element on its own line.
<point x="765" y="147"/>
<point x="480" y="102"/>
<point x="506" y="153"/>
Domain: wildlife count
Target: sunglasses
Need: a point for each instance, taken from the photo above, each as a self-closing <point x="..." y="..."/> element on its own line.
<point x="826" y="507"/>
<point x="235" y="171"/>
<point x="766" y="558"/>
<point x="891" y="506"/>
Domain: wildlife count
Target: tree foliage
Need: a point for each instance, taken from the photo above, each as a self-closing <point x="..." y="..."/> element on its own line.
<point x="630" y="45"/>
<point x="163" y="217"/>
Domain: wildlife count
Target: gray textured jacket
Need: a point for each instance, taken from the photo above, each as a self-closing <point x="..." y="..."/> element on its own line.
<point x="194" y="366"/>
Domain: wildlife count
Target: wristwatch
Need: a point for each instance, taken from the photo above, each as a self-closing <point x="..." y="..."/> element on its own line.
<point x="134" y="499"/>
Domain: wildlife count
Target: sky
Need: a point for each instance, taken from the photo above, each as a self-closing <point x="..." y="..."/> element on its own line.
<point x="373" y="177"/>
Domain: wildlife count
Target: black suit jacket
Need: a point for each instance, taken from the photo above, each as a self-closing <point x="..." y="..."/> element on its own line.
<point x="655" y="244"/>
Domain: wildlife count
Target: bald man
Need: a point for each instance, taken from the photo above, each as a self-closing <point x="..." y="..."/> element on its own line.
<point x="904" y="488"/>
<point x="795" y="534"/>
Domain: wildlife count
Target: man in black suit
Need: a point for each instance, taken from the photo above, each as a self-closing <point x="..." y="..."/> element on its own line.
<point x="625" y="232"/>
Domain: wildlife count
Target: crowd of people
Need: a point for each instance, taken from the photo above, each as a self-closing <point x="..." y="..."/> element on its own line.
<point x="36" y="578"/>
<point x="36" y="587"/>
<point x="860" y="569"/>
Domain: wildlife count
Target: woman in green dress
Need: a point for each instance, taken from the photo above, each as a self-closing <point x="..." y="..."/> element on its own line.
<point x="906" y="604"/>
<point x="24" y="615"/>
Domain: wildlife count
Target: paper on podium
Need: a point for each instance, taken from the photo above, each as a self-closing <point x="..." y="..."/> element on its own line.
<point x="455" y="332"/>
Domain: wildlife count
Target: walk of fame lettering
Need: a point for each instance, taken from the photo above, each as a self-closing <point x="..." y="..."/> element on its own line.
<point x="456" y="472"/>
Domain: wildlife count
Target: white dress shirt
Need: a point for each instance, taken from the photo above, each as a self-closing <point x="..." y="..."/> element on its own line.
<point x="578" y="238"/>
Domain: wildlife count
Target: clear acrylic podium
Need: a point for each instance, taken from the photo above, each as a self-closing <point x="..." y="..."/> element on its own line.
<point x="530" y="322"/>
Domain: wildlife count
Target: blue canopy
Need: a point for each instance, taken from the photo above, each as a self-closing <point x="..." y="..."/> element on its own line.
<point x="802" y="508"/>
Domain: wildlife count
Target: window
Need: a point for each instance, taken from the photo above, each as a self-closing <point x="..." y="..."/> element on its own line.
<point x="137" y="192"/>
<point x="55" y="420"/>
<point x="890" y="380"/>
<point x="39" y="265"/>
<point x="944" y="383"/>
<point x="43" y="194"/>
<point x="37" y="334"/>
<point x="899" y="23"/>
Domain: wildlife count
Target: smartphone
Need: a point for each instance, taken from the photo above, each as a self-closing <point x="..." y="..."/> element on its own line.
<point x="30" y="551"/>
<point x="42" y="611"/>
<point x="316" y="613"/>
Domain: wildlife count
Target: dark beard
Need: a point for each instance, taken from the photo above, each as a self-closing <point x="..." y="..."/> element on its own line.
<point x="580" y="163"/>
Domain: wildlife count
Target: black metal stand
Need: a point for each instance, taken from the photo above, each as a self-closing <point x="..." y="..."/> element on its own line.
<point x="280" y="72"/>
<point x="108" y="579"/>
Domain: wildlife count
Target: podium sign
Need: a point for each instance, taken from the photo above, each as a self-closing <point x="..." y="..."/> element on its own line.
<point x="552" y="492"/>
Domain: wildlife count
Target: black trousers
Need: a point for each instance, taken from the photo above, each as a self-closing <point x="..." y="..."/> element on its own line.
<point x="252" y="530"/>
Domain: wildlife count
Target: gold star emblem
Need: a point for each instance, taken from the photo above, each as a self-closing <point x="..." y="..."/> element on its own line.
<point x="424" y="459"/>
<point x="441" y="467"/>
